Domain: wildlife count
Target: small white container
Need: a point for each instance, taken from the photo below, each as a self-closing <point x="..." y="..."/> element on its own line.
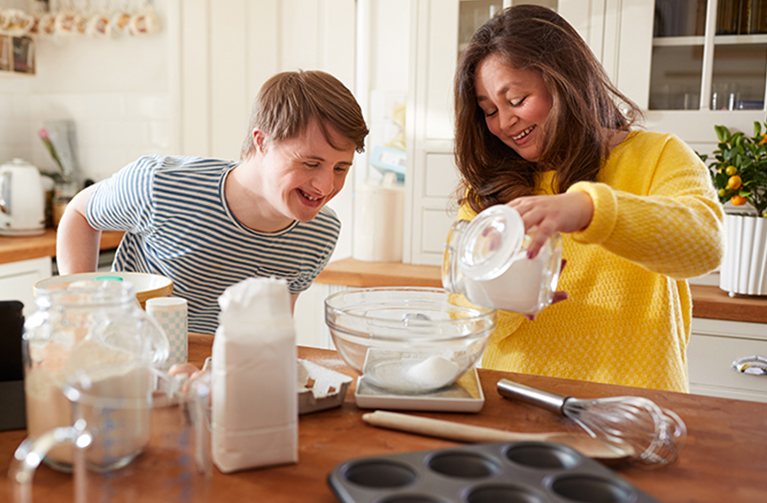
<point x="486" y="260"/>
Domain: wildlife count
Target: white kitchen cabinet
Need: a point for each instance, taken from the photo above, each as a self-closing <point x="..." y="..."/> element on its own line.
<point x="309" y="316"/>
<point x="17" y="280"/>
<point x="714" y="346"/>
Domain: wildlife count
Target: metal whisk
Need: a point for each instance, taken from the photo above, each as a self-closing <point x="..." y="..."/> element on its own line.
<point x="651" y="434"/>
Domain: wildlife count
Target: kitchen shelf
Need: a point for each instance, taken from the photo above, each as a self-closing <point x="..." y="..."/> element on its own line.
<point x="678" y="41"/>
<point x="701" y="40"/>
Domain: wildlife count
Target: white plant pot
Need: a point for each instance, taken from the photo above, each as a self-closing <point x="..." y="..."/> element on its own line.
<point x="744" y="268"/>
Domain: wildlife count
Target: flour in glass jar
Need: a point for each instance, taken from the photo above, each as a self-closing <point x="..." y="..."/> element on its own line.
<point x="48" y="408"/>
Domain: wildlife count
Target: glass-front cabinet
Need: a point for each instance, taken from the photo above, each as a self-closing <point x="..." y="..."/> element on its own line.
<point x="709" y="55"/>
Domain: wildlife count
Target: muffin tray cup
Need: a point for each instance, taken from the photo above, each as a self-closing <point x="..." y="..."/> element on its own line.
<point x="523" y="472"/>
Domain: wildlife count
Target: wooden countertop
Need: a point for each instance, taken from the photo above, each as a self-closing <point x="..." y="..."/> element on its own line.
<point x="707" y="301"/>
<point x="725" y="457"/>
<point x="16" y="248"/>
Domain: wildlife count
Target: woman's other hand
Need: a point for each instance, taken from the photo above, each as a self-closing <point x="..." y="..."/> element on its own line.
<point x="545" y="215"/>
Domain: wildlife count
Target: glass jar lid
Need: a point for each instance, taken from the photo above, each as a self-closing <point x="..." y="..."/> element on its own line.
<point x="490" y="242"/>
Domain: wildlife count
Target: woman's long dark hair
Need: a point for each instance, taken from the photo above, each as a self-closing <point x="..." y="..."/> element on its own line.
<point x="585" y="108"/>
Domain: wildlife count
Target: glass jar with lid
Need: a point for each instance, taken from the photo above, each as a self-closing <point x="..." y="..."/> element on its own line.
<point x="81" y="325"/>
<point x="486" y="261"/>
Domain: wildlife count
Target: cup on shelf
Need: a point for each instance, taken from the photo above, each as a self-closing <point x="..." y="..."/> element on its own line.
<point x="47" y="25"/>
<point x="66" y="23"/>
<point x="16" y="22"/>
<point x="99" y="26"/>
<point x="725" y="96"/>
<point x="119" y="23"/>
<point x="145" y="22"/>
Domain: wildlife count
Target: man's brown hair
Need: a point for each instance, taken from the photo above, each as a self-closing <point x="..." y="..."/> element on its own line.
<point x="289" y="100"/>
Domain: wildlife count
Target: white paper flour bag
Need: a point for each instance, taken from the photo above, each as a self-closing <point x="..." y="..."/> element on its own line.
<point x="255" y="412"/>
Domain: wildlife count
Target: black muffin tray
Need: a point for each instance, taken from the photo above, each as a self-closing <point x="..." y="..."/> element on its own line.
<point x="509" y="472"/>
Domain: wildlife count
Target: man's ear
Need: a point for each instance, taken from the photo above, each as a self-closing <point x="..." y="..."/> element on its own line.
<point x="259" y="140"/>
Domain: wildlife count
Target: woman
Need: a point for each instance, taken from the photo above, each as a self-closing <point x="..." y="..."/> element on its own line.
<point x="539" y="127"/>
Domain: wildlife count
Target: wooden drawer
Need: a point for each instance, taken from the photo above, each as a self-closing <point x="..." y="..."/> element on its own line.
<point x="714" y="346"/>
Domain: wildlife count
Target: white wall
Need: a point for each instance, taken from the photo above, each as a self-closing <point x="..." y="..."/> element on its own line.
<point x="120" y="92"/>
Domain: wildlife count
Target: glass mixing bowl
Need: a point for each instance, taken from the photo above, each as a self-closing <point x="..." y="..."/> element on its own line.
<point x="408" y="340"/>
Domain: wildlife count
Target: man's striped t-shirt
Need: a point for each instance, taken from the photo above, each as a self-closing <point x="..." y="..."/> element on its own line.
<point x="178" y="224"/>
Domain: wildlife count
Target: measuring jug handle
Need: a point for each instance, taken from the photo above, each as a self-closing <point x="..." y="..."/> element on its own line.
<point x="452" y="278"/>
<point x="533" y="396"/>
<point x="30" y="453"/>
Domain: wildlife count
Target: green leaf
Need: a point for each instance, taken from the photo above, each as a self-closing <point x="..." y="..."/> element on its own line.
<point x="722" y="133"/>
<point x="757" y="128"/>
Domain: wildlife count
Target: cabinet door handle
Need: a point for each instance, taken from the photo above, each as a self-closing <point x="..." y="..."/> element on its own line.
<point x="754" y="365"/>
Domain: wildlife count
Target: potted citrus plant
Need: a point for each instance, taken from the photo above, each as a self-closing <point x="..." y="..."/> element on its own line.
<point x="739" y="172"/>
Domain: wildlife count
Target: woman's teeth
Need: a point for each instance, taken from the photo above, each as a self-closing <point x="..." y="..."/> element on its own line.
<point x="523" y="133"/>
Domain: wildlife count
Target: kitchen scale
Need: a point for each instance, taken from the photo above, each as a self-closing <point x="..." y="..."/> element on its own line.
<point x="464" y="395"/>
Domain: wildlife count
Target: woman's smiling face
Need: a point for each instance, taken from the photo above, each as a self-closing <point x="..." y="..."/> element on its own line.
<point x="516" y="104"/>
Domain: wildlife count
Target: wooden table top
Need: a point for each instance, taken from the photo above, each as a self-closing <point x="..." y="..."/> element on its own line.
<point x="707" y="301"/>
<point x="17" y="248"/>
<point x="725" y="458"/>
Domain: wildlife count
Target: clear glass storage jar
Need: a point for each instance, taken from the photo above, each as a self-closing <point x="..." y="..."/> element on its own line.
<point x="486" y="261"/>
<point x="82" y="325"/>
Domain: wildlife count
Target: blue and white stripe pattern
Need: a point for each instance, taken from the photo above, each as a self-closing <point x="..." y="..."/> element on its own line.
<point x="178" y="224"/>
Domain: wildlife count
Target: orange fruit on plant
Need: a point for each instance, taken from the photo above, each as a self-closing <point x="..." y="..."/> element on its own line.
<point x="737" y="200"/>
<point x="731" y="170"/>
<point x="734" y="182"/>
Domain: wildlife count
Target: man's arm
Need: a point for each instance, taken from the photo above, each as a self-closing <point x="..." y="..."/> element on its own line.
<point x="77" y="243"/>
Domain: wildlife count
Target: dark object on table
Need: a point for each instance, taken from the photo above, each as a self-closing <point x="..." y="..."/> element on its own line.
<point x="12" y="405"/>
<point x="503" y="471"/>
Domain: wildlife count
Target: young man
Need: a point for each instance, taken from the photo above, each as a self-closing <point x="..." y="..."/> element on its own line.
<point x="210" y="223"/>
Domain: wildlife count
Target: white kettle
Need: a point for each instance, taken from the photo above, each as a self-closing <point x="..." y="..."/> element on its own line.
<point x="22" y="201"/>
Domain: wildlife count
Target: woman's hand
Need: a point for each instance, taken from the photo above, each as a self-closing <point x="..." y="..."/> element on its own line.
<point x="545" y="215"/>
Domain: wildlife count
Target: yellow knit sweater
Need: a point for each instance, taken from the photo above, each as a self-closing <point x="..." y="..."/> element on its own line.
<point x="656" y="222"/>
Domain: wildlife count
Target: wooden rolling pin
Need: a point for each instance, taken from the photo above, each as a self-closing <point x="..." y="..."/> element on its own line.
<point x="585" y="444"/>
